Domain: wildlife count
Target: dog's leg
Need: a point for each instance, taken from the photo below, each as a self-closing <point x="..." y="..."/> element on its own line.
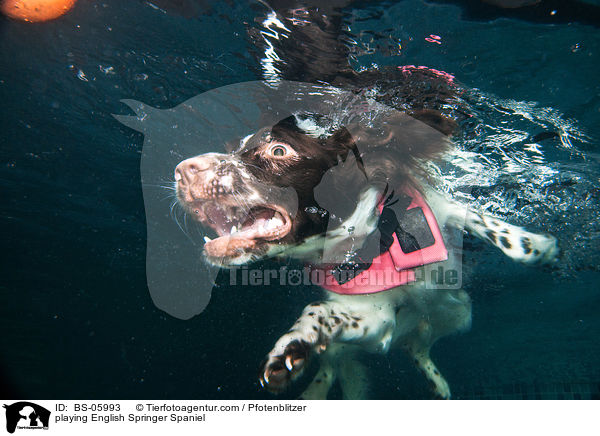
<point x="341" y="364"/>
<point x="418" y="348"/>
<point x="438" y="383"/>
<point x="517" y="243"/>
<point x="353" y="378"/>
<point x="320" y="325"/>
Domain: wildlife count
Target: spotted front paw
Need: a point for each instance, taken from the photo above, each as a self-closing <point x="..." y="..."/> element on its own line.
<point x="280" y="368"/>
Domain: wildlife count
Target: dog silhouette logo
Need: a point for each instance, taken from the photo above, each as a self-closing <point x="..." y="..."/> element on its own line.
<point x="26" y="415"/>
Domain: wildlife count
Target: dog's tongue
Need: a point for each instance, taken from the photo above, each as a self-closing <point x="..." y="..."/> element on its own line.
<point x="228" y="245"/>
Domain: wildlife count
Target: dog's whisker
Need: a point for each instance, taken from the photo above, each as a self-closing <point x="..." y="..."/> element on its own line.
<point x="262" y="170"/>
<point x="241" y="201"/>
<point x="173" y="213"/>
<point x="172" y="196"/>
<point x="170" y="188"/>
<point x="185" y="222"/>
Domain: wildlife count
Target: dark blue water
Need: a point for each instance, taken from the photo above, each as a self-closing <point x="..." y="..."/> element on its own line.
<point x="77" y="319"/>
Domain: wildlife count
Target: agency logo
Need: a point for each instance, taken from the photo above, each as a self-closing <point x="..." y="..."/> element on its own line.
<point x="26" y="415"/>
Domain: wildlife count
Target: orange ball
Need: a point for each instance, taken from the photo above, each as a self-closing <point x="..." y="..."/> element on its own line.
<point x="35" y="10"/>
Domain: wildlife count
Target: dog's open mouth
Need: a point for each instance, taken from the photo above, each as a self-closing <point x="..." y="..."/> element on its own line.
<point x="239" y="229"/>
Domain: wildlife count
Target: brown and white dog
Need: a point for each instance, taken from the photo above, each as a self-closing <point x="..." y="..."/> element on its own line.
<point x="269" y="198"/>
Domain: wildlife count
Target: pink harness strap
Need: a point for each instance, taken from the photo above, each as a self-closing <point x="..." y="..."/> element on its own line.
<point x="392" y="268"/>
<point x="434" y="253"/>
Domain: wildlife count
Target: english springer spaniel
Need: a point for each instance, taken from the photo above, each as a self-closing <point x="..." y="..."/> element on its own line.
<point x="357" y="205"/>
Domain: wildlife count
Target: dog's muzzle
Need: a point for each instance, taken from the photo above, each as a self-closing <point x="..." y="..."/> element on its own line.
<point x="210" y="188"/>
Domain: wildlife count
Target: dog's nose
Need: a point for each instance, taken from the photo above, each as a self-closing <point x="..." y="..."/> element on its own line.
<point x="187" y="169"/>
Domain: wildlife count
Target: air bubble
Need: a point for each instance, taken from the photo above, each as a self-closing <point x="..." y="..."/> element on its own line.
<point x="81" y="76"/>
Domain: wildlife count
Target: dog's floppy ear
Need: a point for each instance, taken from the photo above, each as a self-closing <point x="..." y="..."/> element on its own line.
<point x="436" y="120"/>
<point x="341" y="143"/>
<point x="421" y="135"/>
<point x="395" y="146"/>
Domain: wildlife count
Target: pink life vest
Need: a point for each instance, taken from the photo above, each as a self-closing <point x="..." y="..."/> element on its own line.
<point x="392" y="268"/>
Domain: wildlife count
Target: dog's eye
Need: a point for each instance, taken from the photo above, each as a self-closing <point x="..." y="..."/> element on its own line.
<point x="278" y="150"/>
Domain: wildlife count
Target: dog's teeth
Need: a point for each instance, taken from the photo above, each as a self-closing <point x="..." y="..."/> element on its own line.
<point x="233" y="230"/>
<point x="207" y="239"/>
<point x="288" y="363"/>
